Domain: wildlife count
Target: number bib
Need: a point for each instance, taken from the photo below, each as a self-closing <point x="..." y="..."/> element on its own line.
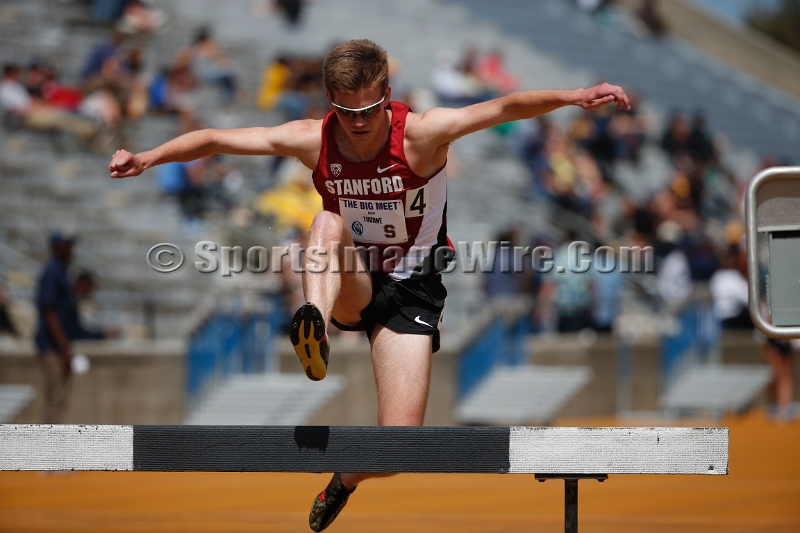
<point x="375" y="221"/>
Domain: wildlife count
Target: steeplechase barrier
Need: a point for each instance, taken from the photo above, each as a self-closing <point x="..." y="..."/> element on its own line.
<point x="568" y="453"/>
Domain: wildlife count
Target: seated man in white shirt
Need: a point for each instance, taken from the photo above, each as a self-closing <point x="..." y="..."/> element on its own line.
<point x="729" y="288"/>
<point x="18" y="105"/>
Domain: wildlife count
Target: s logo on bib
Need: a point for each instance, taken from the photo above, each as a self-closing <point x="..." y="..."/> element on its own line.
<point x="336" y="169"/>
<point x="358" y="228"/>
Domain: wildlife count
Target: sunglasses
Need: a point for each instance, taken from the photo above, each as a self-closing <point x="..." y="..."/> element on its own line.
<point x="365" y="112"/>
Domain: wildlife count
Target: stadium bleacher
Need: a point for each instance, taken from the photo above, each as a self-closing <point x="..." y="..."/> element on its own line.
<point x="51" y="181"/>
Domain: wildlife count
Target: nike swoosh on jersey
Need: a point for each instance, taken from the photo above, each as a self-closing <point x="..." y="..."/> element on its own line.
<point x="385" y="169"/>
<point x="418" y="321"/>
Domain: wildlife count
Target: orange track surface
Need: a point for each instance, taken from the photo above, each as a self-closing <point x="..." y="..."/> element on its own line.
<point x="761" y="493"/>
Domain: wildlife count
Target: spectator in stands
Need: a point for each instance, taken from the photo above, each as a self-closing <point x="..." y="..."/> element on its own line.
<point x="457" y="84"/>
<point x="35" y="78"/>
<point x="677" y="202"/>
<point x="703" y="261"/>
<point x="158" y="92"/>
<point x="135" y="95"/>
<point x="106" y="11"/>
<point x="7" y="326"/>
<point x="292" y="10"/>
<point x="674" y="276"/>
<point x="780" y="354"/>
<point x="503" y="280"/>
<point x="211" y="64"/>
<point x="172" y="92"/>
<point x="186" y="183"/>
<point x="492" y="72"/>
<point x="107" y="74"/>
<point x="102" y="105"/>
<point x="274" y="81"/>
<point x="296" y="101"/>
<point x="224" y="182"/>
<point x="468" y="66"/>
<point x="447" y="81"/>
<point x="103" y="108"/>
<point x="533" y="138"/>
<point x="599" y="8"/>
<point x="601" y="142"/>
<point x="629" y="130"/>
<point x="292" y="204"/>
<point x="118" y="88"/>
<point x="700" y="145"/>
<point x="650" y="14"/>
<point x="59" y="325"/>
<point x="606" y="293"/>
<point x="101" y="53"/>
<point x="54" y="93"/>
<point x="729" y="289"/>
<point x="138" y="17"/>
<point x="567" y="293"/>
<point x="676" y="137"/>
<point x="19" y="108"/>
<point x="293" y="86"/>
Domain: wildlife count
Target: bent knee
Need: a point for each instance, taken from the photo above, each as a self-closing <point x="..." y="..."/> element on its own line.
<point x="328" y="226"/>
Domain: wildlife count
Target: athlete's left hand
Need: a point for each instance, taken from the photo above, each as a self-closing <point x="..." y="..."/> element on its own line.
<point x="600" y="95"/>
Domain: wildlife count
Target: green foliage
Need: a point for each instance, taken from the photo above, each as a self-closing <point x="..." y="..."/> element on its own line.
<point x="781" y="23"/>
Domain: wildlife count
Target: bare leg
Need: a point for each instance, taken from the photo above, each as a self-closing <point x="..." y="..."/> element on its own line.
<point x="336" y="292"/>
<point x="402" y="364"/>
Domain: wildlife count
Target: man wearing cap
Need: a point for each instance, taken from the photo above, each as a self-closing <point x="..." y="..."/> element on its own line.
<point x="59" y="323"/>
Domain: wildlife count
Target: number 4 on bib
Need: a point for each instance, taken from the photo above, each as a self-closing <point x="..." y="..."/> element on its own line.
<point x="416" y="202"/>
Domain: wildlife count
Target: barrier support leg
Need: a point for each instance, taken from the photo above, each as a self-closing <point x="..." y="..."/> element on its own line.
<point x="571" y="495"/>
<point x="571" y="506"/>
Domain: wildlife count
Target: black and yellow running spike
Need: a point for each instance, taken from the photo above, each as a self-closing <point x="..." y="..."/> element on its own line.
<point x="310" y="341"/>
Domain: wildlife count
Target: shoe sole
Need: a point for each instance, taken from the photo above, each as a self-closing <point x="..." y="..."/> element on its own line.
<point x="308" y="338"/>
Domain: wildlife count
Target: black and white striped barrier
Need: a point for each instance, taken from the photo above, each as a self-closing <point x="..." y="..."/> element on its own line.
<point x="568" y="453"/>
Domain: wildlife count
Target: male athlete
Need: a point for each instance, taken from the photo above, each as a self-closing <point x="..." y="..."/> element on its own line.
<point x="380" y="171"/>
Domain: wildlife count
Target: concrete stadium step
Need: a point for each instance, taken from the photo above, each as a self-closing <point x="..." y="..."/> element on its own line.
<point x="266" y="399"/>
<point x="716" y="388"/>
<point x="522" y="394"/>
<point x="72" y="194"/>
<point x="177" y="298"/>
<point x="13" y="399"/>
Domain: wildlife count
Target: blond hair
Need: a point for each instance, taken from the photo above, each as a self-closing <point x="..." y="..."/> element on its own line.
<point x="355" y="65"/>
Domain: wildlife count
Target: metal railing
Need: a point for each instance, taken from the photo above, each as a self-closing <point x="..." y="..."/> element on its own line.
<point x="502" y="341"/>
<point x="776" y="210"/>
<point x="233" y="339"/>
<point x="696" y="340"/>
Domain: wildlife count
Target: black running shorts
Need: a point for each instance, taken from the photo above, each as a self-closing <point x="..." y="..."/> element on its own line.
<point x="405" y="306"/>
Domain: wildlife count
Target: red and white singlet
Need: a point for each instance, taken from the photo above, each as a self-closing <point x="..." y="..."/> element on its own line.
<point x="383" y="202"/>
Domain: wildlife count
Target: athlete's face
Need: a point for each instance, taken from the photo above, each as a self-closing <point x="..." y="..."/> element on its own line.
<point x="362" y="130"/>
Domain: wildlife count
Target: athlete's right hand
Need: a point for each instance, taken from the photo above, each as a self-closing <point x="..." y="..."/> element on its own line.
<point x="124" y="165"/>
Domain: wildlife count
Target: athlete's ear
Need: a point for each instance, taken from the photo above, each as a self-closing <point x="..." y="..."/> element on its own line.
<point x="330" y="102"/>
<point x="388" y="94"/>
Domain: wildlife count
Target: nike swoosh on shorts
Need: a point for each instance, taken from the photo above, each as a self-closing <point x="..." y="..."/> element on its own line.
<point x="418" y="321"/>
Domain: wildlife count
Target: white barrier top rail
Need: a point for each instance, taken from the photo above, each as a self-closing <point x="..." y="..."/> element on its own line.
<point x="517" y="450"/>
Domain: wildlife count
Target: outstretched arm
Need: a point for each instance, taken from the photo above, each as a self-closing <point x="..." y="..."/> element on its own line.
<point x="442" y="125"/>
<point x="294" y="139"/>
